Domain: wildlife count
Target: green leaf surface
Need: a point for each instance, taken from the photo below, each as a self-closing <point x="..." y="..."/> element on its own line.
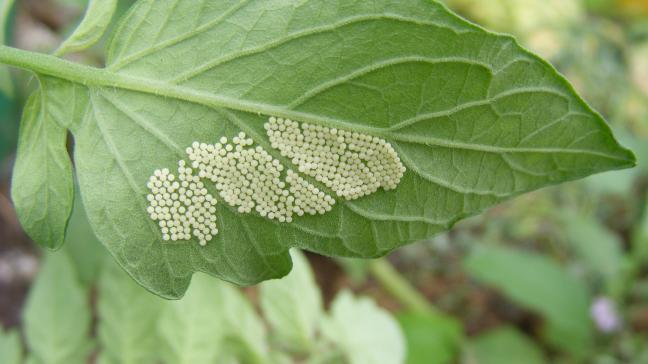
<point x="598" y="247"/>
<point x="56" y="315"/>
<point x="128" y="318"/>
<point x="640" y="240"/>
<point x="431" y="338"/>
<point x="10" y="347"/>
<point x="192" y="328"/>
<point x="539" y="284"/>
<point x="92" y="27"/>
<point x="41" y="187"/>
<point x="475" y="118"/>
<point x="504" y="345"/>
<point x="195" y="328"/>
<point x="82" y="246"/>
<point x="293" y="305"/>
<point x="6" y="83"/>
<point x="244" y="330"/>
<point x="364" y="332"/>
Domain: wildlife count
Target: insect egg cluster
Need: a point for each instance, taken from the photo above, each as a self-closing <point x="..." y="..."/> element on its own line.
<point x="351" y="164"/>
<point x="181" y="207"/>
<point x="250" y="179"/>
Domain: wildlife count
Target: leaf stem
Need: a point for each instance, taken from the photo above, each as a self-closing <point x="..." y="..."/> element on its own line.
<point x="399" y="287"/>
<point x="47" y="64"/>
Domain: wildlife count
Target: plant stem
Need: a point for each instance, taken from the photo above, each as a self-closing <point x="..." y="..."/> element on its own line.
<point x="400" y="288"/>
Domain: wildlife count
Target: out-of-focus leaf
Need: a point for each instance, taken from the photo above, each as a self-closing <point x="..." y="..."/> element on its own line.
<point x="81" y="245"/>
<point x="56" y="316"/>
<point x="96" y="20"/>
<point x="598" y="247"/>
<point x="42" y="188"/>
<point x="10" y="347"/>
<point x="431" y="339"/>
<point x="356" y="269"/>
<point x="293" y="305"/>
<point x="192" y="327"/>
<point x="364" y="332"/>
<point x="128" y="317"/>
<point x="6" y="84"/>
<point x="640" y="240"/>
<point x="503" y="346"/>
<point x="541" y="285"/>
<point x="241" y="322"/>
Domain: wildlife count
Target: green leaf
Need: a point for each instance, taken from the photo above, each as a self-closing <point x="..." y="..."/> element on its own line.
<point x="82" y="246"/>
<point x="242" y="325"/>
<point x="6" y="83"/>
<point x="431" y="339"/>
<point x="293" y="305"/>
<point x="640" y="240"/>
<point x="41" y="186"/>
<point x="364" y="332"/>
<point x="193" y="329"/>
<point x="94" y="24"/>
<point x="504" y="345"/>
<point x="622" y="182"/>
<point x="475" y="118"/>
<point x="56" y="315"/>
<point x="597" y="246"/>
<point x="10" y="347"/>
<point x="541" y="285"/>
<point x="128" y="316"/>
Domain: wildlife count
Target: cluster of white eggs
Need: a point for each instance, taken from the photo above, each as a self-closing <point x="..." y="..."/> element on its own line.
<point x="181" y="207"/>
<point x="249" y="178"/>
<point x="351" y="164"/>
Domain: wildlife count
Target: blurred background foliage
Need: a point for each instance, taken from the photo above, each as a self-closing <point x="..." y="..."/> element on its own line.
<point x="556" y="276"/>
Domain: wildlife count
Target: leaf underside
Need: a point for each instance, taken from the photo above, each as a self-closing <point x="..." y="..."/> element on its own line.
<point x="475" y="118"/>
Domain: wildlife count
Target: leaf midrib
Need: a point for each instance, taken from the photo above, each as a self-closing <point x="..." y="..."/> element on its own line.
<point x="102" y="78"/>
<point x="86" y="75"/>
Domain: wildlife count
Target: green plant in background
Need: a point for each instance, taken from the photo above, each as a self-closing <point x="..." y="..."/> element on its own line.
<point x="213" y="323"/>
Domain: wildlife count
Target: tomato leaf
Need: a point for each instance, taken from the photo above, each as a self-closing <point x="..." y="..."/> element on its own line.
<point x="10" y="347"/>
<point x="128" y="317"/>
<point x="293" y="305"/>
<point x="42" y="188"/>
<point x="539" y="284"/>
<point x="474" y="118"/>
<point x="56" y="315"/>
<point x="350" y="321"/>
<point x="504" y="345"/>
